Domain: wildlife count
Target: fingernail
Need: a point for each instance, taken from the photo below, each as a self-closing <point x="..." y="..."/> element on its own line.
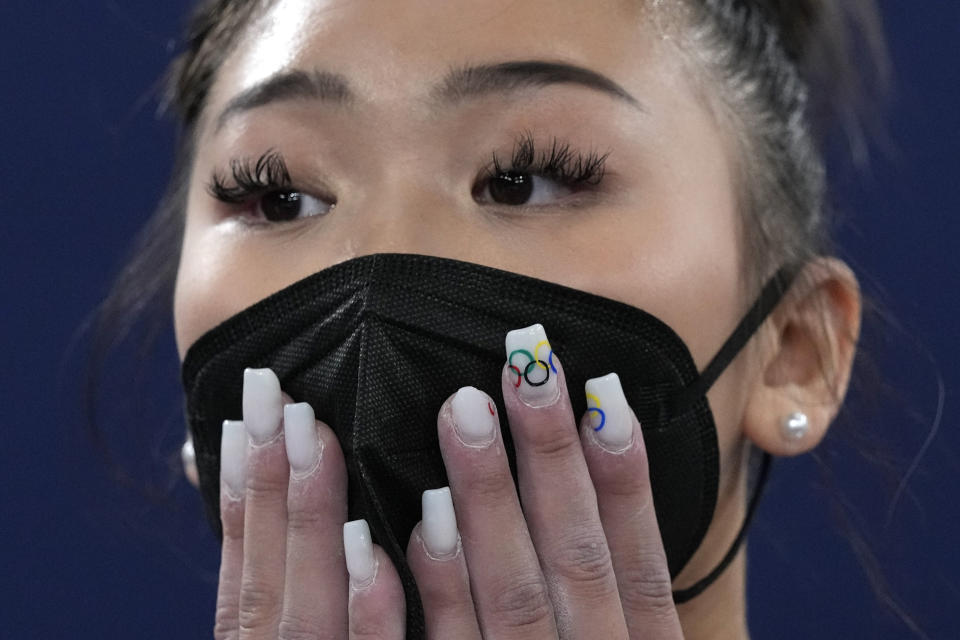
<point x="609" y="412"/>
<point x="474" y="418"/>
<point x="262" y="404"/>
<point x="439" y="529"/>
<point x="300" y="438"/>
<point x="233" y="458"/>
<point x="358" y="549"/>
<point x="531" y="360"/>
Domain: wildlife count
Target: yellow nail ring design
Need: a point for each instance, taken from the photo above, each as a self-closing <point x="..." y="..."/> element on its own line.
<point x="597" y="409"/>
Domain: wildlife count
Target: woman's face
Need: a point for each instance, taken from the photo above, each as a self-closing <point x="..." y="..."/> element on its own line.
<point x="400" y="137"/>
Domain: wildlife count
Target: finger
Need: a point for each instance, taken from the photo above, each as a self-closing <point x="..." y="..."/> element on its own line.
<point x="265" y="508"/>
<point x="315" y="587"/>
<point x="508" y="587"/>
<point x="555" y="488"/>
<point x="233" y="462"/>
<point x="436" y="559"/>
<point x="616" y="456"/>
<point x="377" y="608"/>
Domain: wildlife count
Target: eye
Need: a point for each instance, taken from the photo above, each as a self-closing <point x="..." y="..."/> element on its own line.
<point x="264" y="191"/>
<point x="539" y="178"/>
<point x="286" y="205"/>
<point x="518" y="188"/>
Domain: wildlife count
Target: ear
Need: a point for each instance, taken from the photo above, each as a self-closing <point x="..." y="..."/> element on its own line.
<point x="806" y="358"/>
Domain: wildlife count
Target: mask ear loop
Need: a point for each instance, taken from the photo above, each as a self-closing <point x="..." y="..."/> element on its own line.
<point x="683" y="595"/>
<point x="766" y="302"/>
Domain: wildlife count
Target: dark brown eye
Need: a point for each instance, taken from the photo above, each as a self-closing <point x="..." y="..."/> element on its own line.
<point x="283" y="206"/>
<point x="511" y="187"/>
<point x="520" y="188"/>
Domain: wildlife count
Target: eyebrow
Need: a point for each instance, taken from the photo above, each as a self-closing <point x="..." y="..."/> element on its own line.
<point x="289" y="85"/>
<point x="460" y="83"/>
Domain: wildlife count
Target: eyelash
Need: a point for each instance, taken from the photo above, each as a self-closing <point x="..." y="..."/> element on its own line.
<point x="251" y="180"/>
<point x="560" y="163"/>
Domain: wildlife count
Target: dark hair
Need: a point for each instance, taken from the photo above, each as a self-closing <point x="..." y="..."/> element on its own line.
<point x="782" y="74"/>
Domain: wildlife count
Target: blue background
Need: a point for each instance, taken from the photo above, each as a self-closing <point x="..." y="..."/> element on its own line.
<point x="86" y="552"/>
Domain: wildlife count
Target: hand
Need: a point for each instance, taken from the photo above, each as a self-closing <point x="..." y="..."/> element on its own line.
<point x="583" y="559"/>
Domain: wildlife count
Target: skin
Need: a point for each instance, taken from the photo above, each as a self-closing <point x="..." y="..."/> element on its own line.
<point x="660" y="232"/>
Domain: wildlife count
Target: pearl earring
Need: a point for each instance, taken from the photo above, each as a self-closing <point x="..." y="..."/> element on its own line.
<point x="189" y="459"/>
<point x="795" y="426"/>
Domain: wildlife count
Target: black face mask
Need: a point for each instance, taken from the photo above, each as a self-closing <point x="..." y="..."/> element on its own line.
<point x="377" y="343"/>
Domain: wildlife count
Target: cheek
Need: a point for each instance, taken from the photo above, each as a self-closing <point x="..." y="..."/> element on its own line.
<point x="220" y="274"/>
<point x="728" y="400"/>
<point x="197" y="300"/>
<point x="677" y="256"/>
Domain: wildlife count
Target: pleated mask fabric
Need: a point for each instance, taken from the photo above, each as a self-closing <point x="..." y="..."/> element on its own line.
<point x="376" y="344"/>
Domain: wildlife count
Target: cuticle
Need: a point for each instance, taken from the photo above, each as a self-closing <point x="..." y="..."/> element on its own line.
<point x="473" y="445"/>
<point x="446" y="558"/>
<point x="272" y="440"/>
<point x="549" y="403"/>
<point x="303" y="475"/>
<point x="367" y="584"/>
<point x="230" y="495"/>
<point x="447" y="410"/>
<point x="617" y="452"/>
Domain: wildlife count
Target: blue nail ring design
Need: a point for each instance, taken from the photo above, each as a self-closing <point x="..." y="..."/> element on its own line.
<point x="597" y="409"/>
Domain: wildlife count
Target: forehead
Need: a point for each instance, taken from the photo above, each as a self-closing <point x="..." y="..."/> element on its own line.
<point x="395" y="49"/>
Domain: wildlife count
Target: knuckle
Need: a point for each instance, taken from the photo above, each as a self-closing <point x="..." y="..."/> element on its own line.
<point x="522" y="603"/>
<point x="584" y="560"/>
<point x="645" y="584"/>
<point x="366" y="628"/>
<point x="259" y="606"/>
<point x="491" y="488"/>
<point x="621" y="478"/>
<point x="226" y="622"/>
<point x="440" y="596"/>
<point x="231" y="520"/>
<point x="303" y="519"/>
<point x="630" y="484"/>
<point x="453" y="603"/>
<point x="265" y="487"/>
<point x="552" y="444"/>
<point x="294" y="627"/>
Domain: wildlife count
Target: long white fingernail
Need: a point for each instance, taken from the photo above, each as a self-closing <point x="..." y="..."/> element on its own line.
<point x="358" y="549"/>
<point x="262" y="404"/>
<point x="439" y="528"/>
<point x="474" y="418"/>
<point x="300" y="437"/>
<point x="531" y="361"/>
<point x="609" y="412"/>
<point x="233" y="458"/>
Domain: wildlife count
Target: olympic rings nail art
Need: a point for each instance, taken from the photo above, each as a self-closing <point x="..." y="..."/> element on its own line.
<point x="531" y="359"/>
